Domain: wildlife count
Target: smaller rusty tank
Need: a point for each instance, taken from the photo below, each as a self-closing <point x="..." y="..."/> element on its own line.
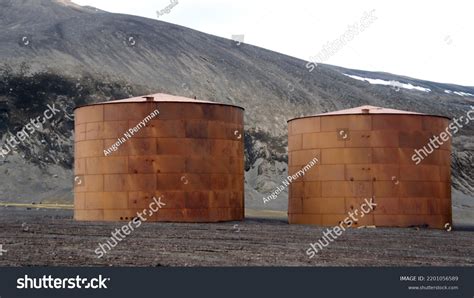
<point x="370" y="152"/>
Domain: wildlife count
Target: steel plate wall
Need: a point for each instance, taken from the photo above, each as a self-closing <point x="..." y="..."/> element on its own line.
<point x="364" y="156"/>
<point x="190" y="155"/>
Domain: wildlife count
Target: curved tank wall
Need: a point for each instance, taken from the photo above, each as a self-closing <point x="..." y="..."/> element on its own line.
<point x="368" y="152"/>
<point x="188" y="156"/>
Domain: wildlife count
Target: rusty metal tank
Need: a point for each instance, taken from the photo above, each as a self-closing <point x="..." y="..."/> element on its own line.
<point x="370" y="152"/>
<point x="185" y="153"/>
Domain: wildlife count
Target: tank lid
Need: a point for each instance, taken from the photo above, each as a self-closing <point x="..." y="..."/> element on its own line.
<point x="160" y="97"/>
<point x="368" y="110"/>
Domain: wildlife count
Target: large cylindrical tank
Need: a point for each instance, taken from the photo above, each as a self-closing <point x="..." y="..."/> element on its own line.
<point x="185" y="153"/>
<point x="370" y="152"/>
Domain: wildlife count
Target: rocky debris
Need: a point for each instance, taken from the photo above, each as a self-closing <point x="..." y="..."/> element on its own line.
<point x="60" y="241"/>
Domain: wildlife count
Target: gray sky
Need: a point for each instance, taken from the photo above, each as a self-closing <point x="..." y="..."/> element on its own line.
<point x="431" y="40"/>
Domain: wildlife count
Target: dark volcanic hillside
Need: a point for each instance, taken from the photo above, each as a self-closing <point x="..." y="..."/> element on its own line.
<point x="96" y="56"/>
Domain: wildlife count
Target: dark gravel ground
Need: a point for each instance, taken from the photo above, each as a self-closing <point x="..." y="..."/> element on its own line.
<point x="45" y="237"/>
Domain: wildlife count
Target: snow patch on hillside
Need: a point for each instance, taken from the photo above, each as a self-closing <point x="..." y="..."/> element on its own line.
<point x="394" y="84"/>
<point x="458" y="93"/>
